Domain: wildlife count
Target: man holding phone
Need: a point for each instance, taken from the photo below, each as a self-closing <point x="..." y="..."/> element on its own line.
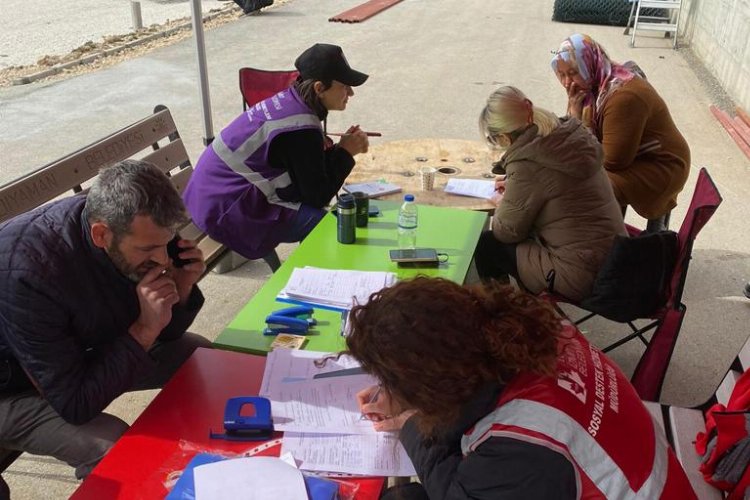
<point x="92" y="307"/>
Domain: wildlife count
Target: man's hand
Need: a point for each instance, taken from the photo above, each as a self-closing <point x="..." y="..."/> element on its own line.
<point x="188" y="275"/>
<point x="157" y="293"/>
<point x="355" y="141"/>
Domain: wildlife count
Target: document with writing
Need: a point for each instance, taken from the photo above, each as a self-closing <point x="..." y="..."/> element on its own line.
<point x="379" y="454"/>
<point x="323" y="405"/>
<point x="337" y="288"/>
<point x="471" y="187"/>
<point x="291" y="365"/>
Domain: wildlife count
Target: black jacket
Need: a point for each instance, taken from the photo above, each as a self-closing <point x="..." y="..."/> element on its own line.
<point x="500" y="468"/>
<point x="65" y="311"/>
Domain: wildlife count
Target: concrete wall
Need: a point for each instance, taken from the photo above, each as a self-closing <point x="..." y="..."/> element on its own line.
<point x="718" y="32"/>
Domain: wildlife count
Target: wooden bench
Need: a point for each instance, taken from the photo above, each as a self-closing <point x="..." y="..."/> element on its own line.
<point x="154" y="139"/>
<point x="681" y="425"/>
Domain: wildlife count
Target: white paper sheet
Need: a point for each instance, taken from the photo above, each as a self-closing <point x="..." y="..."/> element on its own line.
<point x="471" y="187"/>
<point x="293" y="365"/>
<point x="332" y="287"/>
<point x="251" y="478"/>
<point x="325" y="405"/>
<point x="379" y="454"/>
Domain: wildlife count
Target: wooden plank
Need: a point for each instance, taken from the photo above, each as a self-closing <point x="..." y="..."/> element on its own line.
<point x="180" y="179"/>
<point x="685" y="424"/>
<point x="728" y="125"/>
<point x="63" y="175"/>
<point x="168" y="157"/>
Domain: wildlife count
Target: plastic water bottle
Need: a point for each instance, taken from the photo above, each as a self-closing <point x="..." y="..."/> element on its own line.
<point x="407" y="223"/>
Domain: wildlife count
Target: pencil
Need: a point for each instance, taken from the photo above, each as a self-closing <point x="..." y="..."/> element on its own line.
<point x="368" y="134"/>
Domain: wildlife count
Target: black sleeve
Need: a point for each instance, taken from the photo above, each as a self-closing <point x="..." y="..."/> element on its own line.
<point x="500" y="468"/>
<point x="317" y="174"/>
<point x="78" y="384"/>
<point x="183" y="316"/>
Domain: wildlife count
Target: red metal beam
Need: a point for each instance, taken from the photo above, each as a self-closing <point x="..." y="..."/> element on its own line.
<point x="728" y="124"/>
<point x="364" y="11"/>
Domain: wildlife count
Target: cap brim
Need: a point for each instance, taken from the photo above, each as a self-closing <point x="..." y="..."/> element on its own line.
<point x="354" y="78"/>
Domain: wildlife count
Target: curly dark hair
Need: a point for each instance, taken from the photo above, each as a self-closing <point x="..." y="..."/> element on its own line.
<point x="433" y="343"/>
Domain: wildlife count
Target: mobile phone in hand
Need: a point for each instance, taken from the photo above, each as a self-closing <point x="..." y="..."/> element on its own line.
<point x="174" y="251"/>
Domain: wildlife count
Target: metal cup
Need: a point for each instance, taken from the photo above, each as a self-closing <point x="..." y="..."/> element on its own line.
<point x="362" y="202"/>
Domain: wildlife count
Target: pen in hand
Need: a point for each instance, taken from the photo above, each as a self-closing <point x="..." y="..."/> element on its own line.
<point x="368" y="134"/>
<point x="373" y="397"/>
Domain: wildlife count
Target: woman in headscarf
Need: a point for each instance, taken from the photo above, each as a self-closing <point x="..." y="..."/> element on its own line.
<point x="645" y="155"/>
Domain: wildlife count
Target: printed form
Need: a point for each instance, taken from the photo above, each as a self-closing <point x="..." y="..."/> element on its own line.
<point x="380" y="454"/>
<point x="338" y="288"/>
<point x="471" y="187"/>
<point x="294" y="365"/>
<point x="324" y="405"/>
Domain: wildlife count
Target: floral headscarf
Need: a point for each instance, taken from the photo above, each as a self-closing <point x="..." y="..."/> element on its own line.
<point x="596" y="68"/>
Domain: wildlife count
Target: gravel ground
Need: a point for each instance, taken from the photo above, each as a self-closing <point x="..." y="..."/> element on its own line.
<point x="35" y="28"/>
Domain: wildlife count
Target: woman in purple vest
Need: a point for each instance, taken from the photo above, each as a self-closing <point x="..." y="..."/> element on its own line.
<point x="267" y="176"/>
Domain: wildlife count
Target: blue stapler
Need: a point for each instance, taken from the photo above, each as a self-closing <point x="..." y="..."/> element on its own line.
<point x="297" y="320"/>
<point x="238" y="427"/>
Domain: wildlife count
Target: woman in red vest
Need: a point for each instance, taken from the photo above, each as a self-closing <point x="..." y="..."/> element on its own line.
<point x="494" y="397"/>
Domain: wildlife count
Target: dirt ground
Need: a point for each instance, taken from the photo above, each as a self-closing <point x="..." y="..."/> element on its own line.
<point x="176" y="30"/>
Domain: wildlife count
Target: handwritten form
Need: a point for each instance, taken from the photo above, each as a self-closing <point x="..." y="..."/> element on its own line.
<point x="325" y="406"/>
<point x="378" y="454"/>
<point x="324" y="428"/>
<point x="251" y="477"/>
<point x="471" y="187"/>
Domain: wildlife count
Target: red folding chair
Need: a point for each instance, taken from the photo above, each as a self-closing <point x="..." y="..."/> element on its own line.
<point x="259" y="84"/>
<point x="667" y="318"/>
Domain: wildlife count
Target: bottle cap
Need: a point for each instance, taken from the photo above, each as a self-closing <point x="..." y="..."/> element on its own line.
<point x="409" y="197"/>
<point x="346" y="201"/>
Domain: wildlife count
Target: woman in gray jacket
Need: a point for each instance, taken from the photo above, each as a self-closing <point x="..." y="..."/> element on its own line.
<point x="557" y="217"/>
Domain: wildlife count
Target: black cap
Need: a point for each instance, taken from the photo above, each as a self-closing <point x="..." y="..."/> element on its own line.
<point x="324" y="61"/>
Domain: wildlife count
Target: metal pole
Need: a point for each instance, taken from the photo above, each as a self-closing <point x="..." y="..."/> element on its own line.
<point x="135" y="14"/>
<point x="200" y="51"/>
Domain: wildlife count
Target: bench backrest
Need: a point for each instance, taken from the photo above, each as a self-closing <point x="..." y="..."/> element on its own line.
<point x="154" y="139"/>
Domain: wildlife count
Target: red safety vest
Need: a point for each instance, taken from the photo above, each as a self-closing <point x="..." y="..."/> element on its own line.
<point x="592" y="415"/>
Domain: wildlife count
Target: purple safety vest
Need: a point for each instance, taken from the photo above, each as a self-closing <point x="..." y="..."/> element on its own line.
<point x="232" y="194"/>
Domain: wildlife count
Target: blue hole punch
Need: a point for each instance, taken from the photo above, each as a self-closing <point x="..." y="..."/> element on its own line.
<point x="237" y="427"/>
<point x="297" y="320"/>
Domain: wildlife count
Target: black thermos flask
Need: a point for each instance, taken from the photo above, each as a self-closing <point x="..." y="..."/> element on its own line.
<point x="347" y="217"/>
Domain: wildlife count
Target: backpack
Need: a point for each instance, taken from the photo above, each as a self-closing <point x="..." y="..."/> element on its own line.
<point x="725" y="446"/>
<point x="632" y="281"/>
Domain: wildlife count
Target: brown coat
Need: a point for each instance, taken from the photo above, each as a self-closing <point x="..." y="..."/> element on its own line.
<point x="646" y="157"/>
<point x="559" y="206"/>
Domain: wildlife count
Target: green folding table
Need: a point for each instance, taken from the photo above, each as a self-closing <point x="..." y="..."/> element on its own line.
<point x="454" y="232"/>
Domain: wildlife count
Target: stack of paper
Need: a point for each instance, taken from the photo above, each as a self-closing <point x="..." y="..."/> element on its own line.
<point x="317" y="408"/>
<point x="336" y="289"/>
<point x="372" y="189"/>
<point x="471" y="187"/>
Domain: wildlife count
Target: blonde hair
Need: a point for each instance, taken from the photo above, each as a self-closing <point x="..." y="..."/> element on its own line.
<point x="508" y="110"/>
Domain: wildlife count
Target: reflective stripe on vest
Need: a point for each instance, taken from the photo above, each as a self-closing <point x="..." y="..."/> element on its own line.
<point x="236" y="159"/>
<point x="584" y="450"/>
